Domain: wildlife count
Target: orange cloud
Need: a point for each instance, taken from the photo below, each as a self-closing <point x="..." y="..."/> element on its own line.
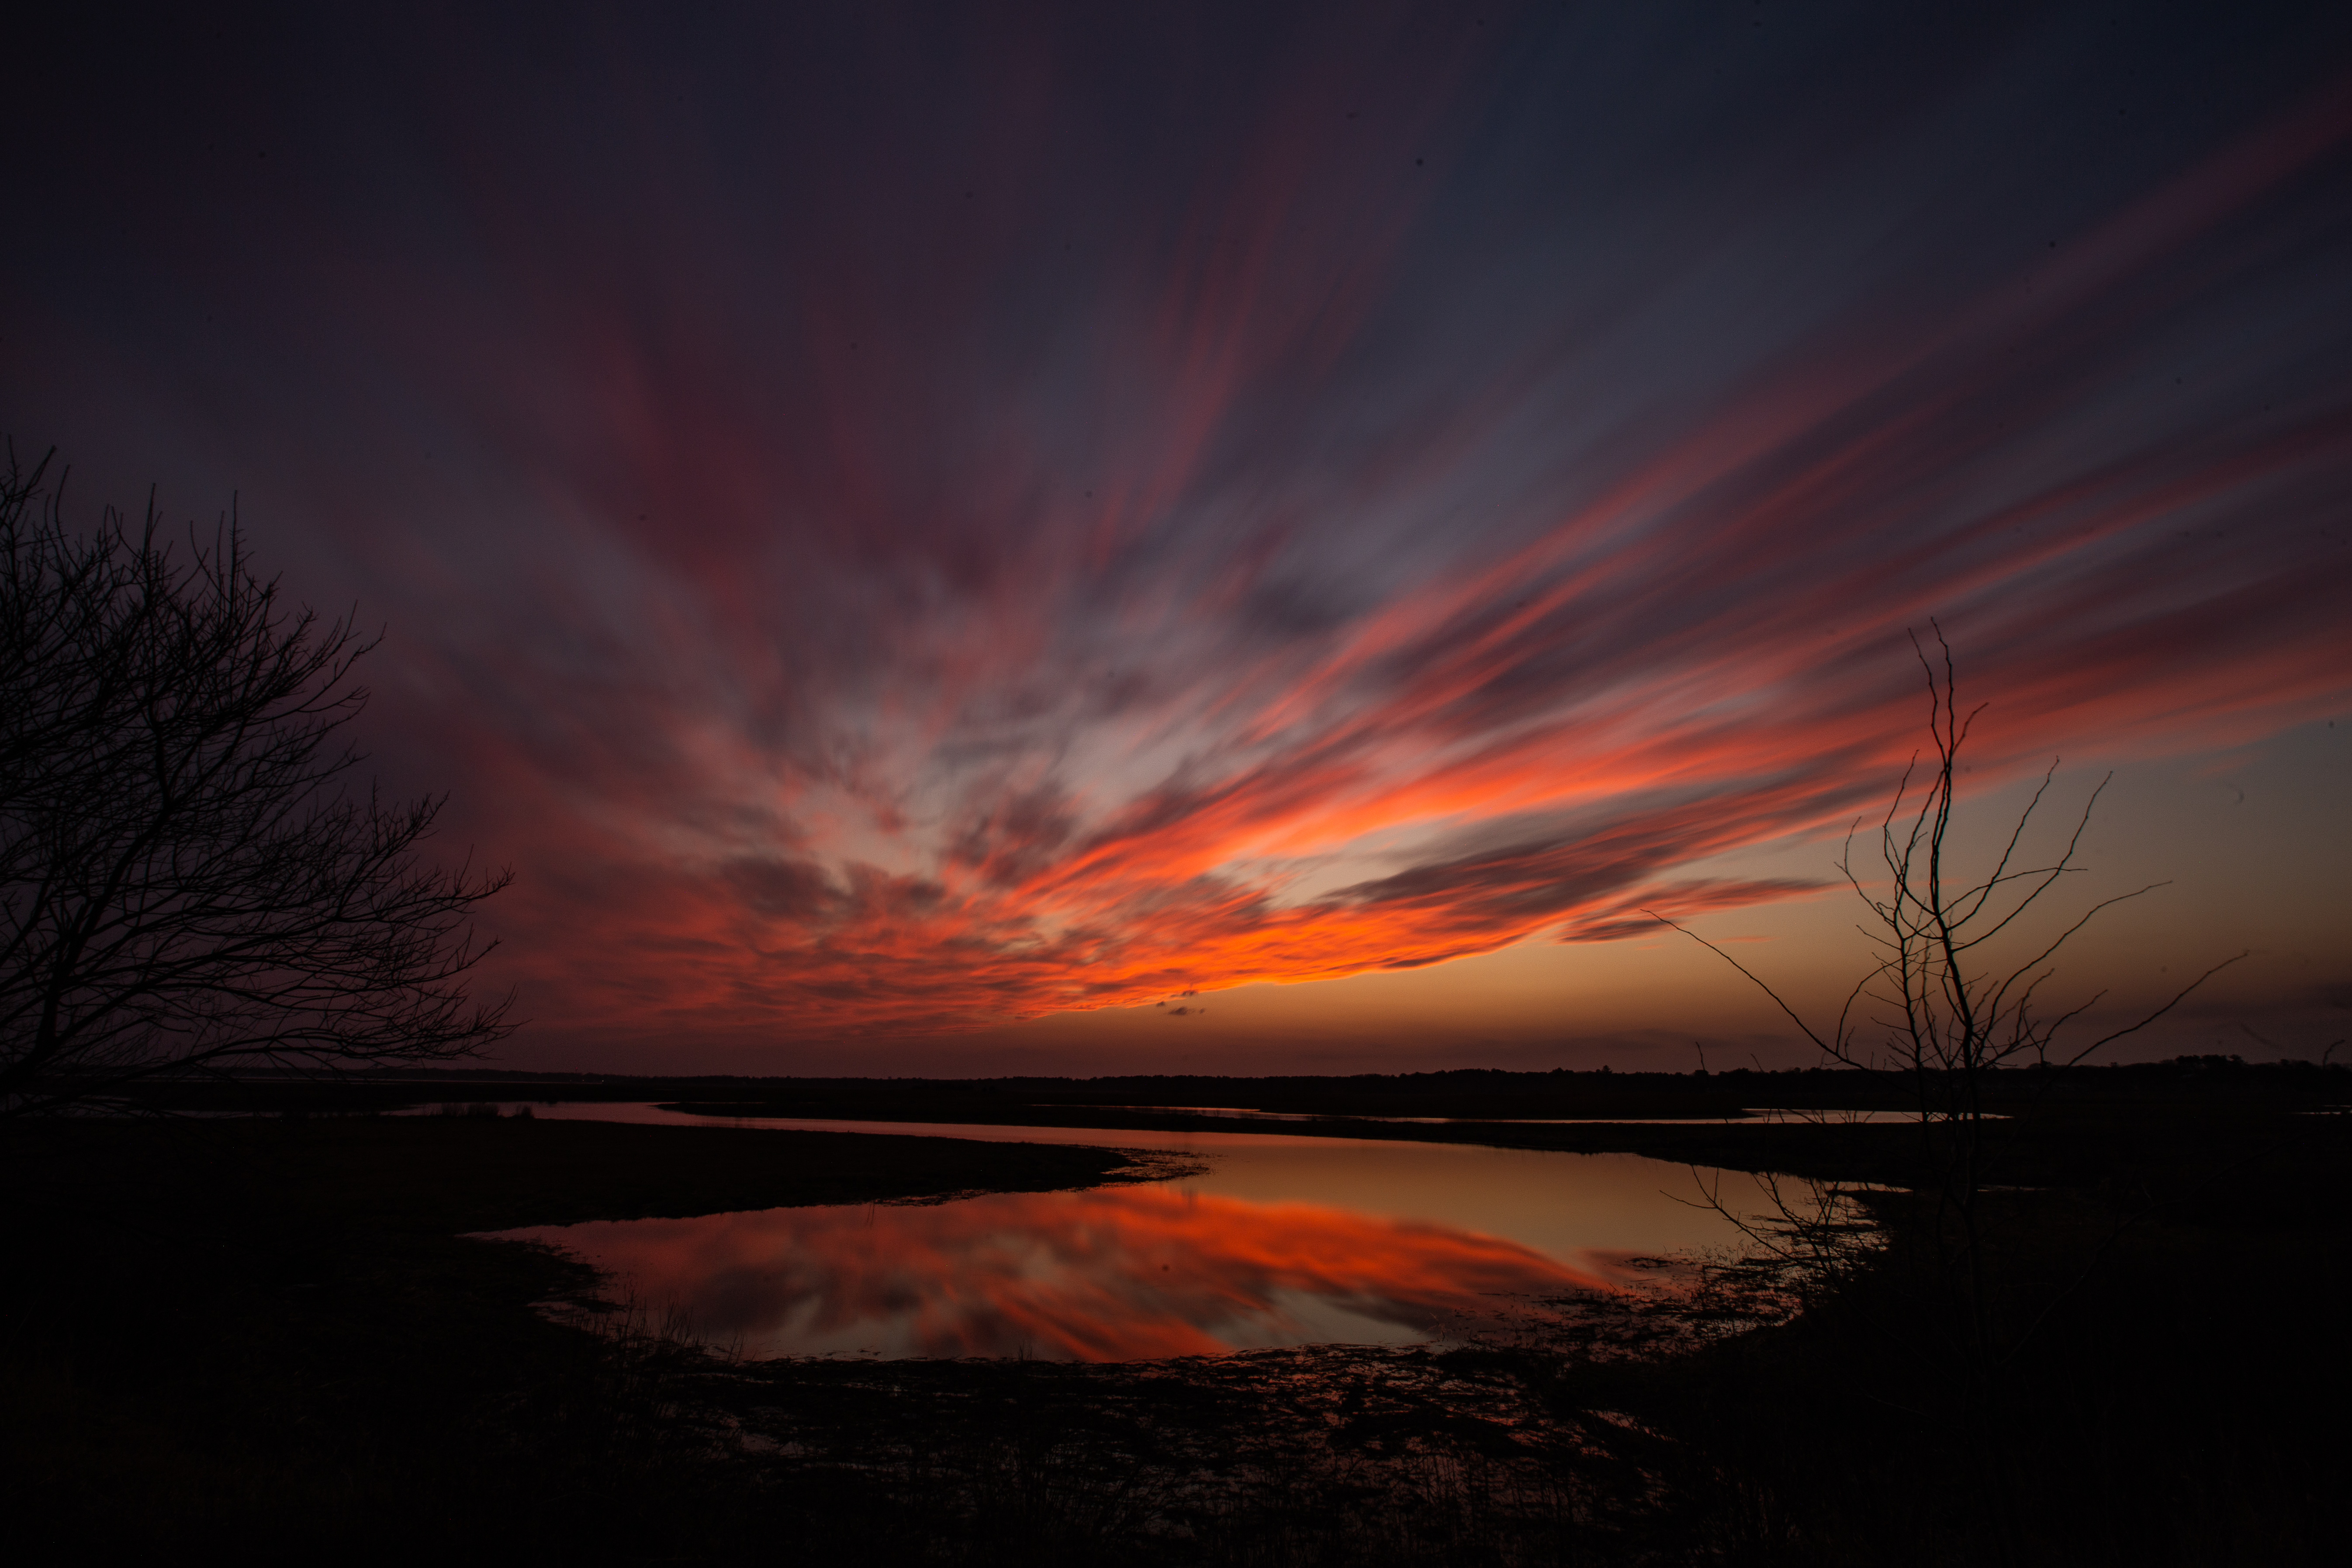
<point x="1222" y="552"/>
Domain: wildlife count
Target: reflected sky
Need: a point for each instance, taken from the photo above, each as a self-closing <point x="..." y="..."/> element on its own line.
<point x="1280" y="1240"/>
<point x="1115" y="1274"/>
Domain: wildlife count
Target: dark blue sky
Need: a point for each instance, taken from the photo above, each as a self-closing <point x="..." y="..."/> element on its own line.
<point x="900" y="520"/>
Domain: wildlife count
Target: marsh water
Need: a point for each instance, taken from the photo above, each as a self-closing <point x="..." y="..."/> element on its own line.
<point x="1254" y="1240"/>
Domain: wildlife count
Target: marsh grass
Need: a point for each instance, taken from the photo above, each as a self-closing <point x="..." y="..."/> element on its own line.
<point x="1343" y="1455"/>
<point x="294" y="1353"/>
<point x="2178" y="1405"/>
<point x="266" y="1332"/>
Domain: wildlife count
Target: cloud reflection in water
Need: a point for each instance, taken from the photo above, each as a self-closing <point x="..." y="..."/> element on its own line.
<point x="1111" y="1274"/>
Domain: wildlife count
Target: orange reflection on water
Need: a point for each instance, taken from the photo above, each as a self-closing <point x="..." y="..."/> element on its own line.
<point x="1113" y="1274"/>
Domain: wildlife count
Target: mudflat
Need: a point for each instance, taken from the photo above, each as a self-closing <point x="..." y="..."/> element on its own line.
<point x="272" y="1330"/>
<point x="455" y="1174"/>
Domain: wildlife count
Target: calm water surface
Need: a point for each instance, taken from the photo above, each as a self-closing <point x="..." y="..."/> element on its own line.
<point x="1280" y="1239"/>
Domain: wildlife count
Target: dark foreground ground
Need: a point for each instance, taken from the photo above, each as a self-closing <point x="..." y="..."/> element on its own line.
<point x="270" y="1334"/>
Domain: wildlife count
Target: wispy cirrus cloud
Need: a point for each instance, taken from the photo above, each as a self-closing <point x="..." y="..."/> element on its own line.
<point x="888" y="545"/>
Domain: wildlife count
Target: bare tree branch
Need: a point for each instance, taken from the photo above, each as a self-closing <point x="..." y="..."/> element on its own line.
<point x="188" y="881"/>
<point x="1949" y="1029"/>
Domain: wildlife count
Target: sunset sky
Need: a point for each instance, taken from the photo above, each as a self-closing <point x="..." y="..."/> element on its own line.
<point x="1103" y="538"/>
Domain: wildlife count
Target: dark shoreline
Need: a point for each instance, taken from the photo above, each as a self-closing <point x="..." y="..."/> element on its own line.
<point x="275" y="1330"/>
<point x="2059" y="1128"/>
<point x="1465" y="1092"/>
<point x="269" y="1329"/>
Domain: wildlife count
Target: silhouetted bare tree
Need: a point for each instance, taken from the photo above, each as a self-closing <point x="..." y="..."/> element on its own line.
<point x="1936" y="1008"/>
<point x="1931" y="1008"/>
<point x="188" y="881"/>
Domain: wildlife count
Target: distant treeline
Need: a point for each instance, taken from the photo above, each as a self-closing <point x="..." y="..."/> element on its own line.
<point x="1467" y="1092"/>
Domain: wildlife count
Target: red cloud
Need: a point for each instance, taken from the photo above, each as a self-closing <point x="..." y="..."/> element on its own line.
<point x="1182" y="559"/>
